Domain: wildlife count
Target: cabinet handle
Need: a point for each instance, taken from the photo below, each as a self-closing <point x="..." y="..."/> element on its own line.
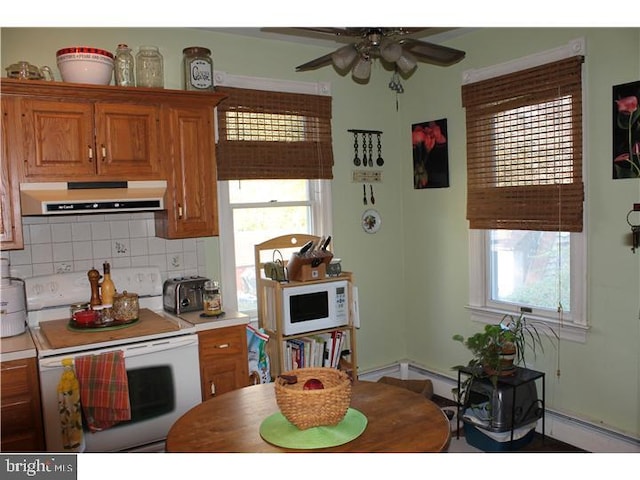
<point x="90" y="153"/>
<point x="104" y="153"/>
<point x="179" y="211"/>
<point x="223" y="345"/>
<point x="213" y="388"/>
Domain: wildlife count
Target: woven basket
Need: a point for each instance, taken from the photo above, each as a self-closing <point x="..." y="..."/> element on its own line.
<point x="314" y="408"/>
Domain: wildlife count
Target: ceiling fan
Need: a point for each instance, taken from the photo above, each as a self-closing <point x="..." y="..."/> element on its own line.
<point x="395" y="45"/>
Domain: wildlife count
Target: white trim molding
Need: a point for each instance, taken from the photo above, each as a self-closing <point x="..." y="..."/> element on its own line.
<point x="574" y="47"/>
<point x="224" y="79"/>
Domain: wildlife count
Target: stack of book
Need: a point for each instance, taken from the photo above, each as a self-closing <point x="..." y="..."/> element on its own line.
<point x="318" y="350"/>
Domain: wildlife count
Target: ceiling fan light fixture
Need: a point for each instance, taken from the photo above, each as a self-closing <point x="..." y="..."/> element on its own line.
<point x="362" y="69"/>
<point x="406" y="62"/>
<point x="343" y="58"/>
<point x="390" y="51"/>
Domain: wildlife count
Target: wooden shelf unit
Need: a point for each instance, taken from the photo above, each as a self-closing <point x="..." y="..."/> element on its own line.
<point x="270" y="306"/>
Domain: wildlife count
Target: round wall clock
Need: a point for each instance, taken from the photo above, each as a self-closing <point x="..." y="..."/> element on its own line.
<point x="371" y="221"/>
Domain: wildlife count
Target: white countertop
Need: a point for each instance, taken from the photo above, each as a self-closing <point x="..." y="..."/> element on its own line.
<point x="17" y="347"/>
<point x="229" y="319"/>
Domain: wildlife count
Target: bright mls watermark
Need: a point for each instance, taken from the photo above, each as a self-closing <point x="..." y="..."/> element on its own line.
<point x="45" y="467"/>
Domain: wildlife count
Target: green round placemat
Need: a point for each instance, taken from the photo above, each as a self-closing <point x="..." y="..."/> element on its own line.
<point x="277" y="430"/>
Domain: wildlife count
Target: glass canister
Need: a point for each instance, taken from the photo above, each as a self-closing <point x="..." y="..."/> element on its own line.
<point x="211" y="298"/>
<point x="149" y="67"/>
<point x="123" y="68"/>
<point x="197" y="69"/>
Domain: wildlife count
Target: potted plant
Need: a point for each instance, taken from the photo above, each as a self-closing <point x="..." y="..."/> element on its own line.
<point x="499" y="347"/>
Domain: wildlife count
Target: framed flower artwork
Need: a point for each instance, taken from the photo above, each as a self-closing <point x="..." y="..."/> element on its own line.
<point x="626" y="130"/>
<point x="430" y="154"/>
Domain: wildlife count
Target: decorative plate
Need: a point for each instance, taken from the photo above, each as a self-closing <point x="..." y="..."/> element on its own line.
<point x="371" y="221"/>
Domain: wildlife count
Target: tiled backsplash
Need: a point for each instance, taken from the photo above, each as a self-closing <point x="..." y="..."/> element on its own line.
<point x="60" y="244"/>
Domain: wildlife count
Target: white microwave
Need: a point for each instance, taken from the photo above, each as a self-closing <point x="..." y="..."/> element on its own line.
<point x="315" y="306"/>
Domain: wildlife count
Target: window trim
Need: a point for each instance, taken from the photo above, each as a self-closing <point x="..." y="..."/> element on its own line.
<point x="322" y="221"/>
<point x="573" y="326"/>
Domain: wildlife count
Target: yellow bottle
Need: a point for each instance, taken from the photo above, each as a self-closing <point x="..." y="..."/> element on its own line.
<point x="108" y="289"/>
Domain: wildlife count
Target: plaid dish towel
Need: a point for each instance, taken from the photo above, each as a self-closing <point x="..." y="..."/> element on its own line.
<point x="104" y="390"/>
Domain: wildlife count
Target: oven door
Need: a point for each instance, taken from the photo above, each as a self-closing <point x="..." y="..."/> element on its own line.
<point x="164" y="382"/>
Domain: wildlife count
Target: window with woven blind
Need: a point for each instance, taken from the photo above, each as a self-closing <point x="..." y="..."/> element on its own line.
<point x="524" y="149"/>
<point x="273" y="135"/>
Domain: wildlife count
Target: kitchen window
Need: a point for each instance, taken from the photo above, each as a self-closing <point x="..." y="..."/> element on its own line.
<point x="252" y="211"/>
<point x="525" y="190"/>
<point x="274" y="173"/>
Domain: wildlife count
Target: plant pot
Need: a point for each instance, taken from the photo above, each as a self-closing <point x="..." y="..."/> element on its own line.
<point x="507" y="356"/>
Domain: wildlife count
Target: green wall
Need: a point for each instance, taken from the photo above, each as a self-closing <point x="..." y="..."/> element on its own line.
<point x="413" y="274"/>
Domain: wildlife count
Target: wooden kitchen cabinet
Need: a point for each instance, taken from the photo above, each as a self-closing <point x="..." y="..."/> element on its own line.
<point x="66" y="132"/>
<point x="10" y="221"/>
<point x="192" y="202"/>
<point x="67" y="139"/>
<point x="21" y="418"/>
<point x="224" y="361"/>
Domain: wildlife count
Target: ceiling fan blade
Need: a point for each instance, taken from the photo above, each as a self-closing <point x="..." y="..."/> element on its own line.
<point x="432" y="53"/>
<point x="313" y="64"/>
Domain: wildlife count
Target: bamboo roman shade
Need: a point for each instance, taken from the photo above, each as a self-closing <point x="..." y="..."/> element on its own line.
<point x="524" y="149"/>
<point x="274" y="135"/>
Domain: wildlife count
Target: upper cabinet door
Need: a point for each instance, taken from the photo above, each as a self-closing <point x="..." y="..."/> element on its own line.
<point x="10" y="221"/>
<point x="192" y="209"/>
<point x="58" y="138"/>
<point x="127" y="140"/>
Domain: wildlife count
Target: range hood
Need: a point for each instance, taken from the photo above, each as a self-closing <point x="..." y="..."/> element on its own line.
<point x="58" y="198"/>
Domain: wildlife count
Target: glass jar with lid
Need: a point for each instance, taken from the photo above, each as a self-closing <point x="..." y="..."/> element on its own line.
<point x="124" y="66"/>
<point x="198" y="69"/>
<point x="211" y="299"/>
<point x="149" y="67"/>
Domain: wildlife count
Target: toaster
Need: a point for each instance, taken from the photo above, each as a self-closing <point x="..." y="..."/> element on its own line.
<point x="183" y="294"/>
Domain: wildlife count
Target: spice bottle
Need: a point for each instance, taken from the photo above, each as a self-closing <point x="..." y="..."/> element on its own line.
<point x="108" y="288"/>
<point x="149" y="67"/>
<point x="211" y="298"/>
<point x="124" y="66"/>
<point x="197" y="69"/>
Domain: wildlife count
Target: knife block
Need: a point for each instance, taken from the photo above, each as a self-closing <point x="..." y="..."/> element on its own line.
<point x="303" y="268"/>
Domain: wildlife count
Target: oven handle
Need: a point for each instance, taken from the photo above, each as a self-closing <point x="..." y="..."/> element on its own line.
<point x="128" y="350"/>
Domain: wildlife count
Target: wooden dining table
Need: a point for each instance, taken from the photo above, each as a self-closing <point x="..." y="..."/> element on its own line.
<point x="398" y="420"/>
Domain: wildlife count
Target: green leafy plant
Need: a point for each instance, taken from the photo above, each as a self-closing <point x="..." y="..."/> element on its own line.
<point x="498" y="347"/>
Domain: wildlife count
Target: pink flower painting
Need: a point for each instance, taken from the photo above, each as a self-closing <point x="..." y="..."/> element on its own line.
<point x="626" y="131"/>
<point x="430" y="154"/>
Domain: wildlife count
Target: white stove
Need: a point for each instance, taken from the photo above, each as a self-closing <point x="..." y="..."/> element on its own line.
<point x="160" y="351"/>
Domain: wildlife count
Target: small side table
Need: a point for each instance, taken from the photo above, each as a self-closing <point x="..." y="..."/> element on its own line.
<point x="521" y="377"/>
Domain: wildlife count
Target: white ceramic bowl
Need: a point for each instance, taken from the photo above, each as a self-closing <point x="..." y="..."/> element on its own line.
<point x="85" y="65"/>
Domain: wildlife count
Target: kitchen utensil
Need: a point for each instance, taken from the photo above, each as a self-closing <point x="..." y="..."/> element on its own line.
<point x="356" y="160"/>
<point x="379" y="160"/>
<point x="25" y="71"/>
<point x="94" y="279"/>
<point x="85" y="65"/>
<point x="364" y="150"/>
<point x="13" y="311"/>
<point x="370" y="151"/>
<point x="373" y="200"/>
<point x="364" y="191"/>
<point x="125" y="306"/>
<point x="183" y="294"/>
